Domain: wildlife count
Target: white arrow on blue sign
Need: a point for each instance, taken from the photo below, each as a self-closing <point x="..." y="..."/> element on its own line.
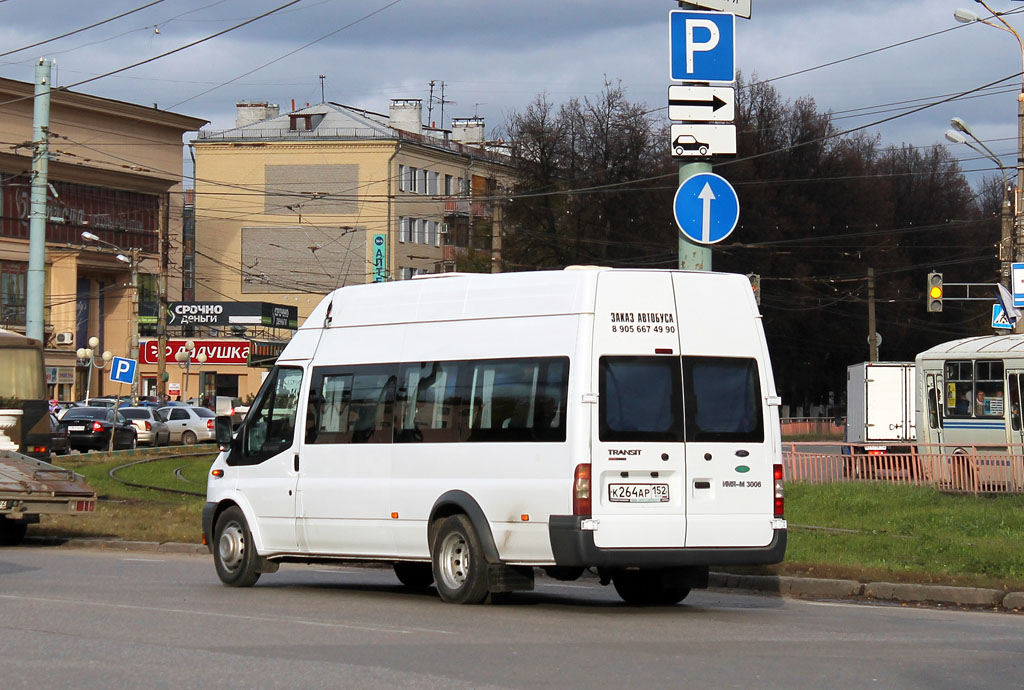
<point x="122" y="370"/>
<point x="706" y="208"/>
<point x="702" y="46"/>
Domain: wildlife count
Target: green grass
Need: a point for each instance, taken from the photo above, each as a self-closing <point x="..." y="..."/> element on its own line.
<point x="848" y="530"/>
<point x="906" y="533"/>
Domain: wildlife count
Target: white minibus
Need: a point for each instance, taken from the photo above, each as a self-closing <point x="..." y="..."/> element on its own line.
<point x="467" y="429"/>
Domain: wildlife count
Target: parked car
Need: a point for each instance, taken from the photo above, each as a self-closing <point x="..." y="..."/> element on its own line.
<point x="89" y="428"/>
<point x="59" y="444"/>
<point x="189" y="425"/>
<point x="101" y="402"/>
<point x="152" y="430"/>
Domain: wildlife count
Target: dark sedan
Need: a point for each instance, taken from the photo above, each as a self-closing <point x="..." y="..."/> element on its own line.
<point x="58" y="436"/>
<point x="89" y="428"/>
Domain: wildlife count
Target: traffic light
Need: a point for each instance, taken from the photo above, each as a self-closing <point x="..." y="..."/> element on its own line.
<point x="755" y="283"/>
<point x="934" y="292"/>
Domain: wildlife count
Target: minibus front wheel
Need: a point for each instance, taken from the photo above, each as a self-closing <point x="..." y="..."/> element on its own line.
<point x="460" y="569"/>
<point x="233" y="552"/>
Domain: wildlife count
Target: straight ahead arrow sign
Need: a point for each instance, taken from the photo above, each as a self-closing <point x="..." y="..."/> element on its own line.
<point x="701" y="103"/>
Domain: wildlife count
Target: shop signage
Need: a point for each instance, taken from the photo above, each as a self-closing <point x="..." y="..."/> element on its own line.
<point x="232" y="314"/>
<point x="216" y="351"/>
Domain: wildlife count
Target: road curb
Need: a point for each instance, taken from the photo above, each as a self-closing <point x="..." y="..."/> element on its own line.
<point x="779" y="585"/>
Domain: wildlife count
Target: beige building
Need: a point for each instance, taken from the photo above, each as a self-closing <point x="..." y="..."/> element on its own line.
<point x="114" y="171"/>
<point x="289" y="207"/>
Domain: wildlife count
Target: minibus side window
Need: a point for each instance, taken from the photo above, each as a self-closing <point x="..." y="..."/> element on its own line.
<point x="512" y="400"/>
<point x="640" y="399"/>
<point x="270" y="426"/>
<point x="426" y="411"/>
<point x="722" y="399"/>
<point x="352" y="404"/>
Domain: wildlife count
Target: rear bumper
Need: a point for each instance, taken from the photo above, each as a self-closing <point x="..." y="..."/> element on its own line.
<point x="573" y="546"/>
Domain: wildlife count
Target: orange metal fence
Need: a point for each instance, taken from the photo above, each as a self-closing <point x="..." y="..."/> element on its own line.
<point x="823" y="427"/>
<point x="957" y="468"/>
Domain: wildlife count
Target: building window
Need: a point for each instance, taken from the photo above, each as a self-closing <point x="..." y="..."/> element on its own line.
<point x="433" y="181"/>
<point x="448" y="185"/>
<point x="421" y="181"/>
<point x="12" y="292"/>
<point x="404" y="234"/>
<point x="401" y="178"/>
<point x="419" y="231"/>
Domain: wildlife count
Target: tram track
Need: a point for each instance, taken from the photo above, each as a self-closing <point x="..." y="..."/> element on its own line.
<point x="177" y="473"/>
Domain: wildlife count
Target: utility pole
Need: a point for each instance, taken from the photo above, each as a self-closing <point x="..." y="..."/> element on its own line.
<point x="133" y="320"/>
<point x="323" y="99"/>
<point x="161" y="313"/>
<point x="872" y="325"/>
<point x="36" y="279"/>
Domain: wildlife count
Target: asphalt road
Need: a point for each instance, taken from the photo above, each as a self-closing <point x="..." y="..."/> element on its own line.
<point x="92" y="619"/>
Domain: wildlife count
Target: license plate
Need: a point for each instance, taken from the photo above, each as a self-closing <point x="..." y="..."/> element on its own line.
<point x="76" y="428"/>
<point x="638" y="493"/>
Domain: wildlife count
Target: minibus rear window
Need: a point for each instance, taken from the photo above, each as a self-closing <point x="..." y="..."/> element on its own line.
<point x="640" y="399"/>
<point x="722" y="399"/>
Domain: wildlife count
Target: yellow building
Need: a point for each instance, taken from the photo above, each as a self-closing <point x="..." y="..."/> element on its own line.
<point x="289" y="207"/>
<point x="114" y="172"/>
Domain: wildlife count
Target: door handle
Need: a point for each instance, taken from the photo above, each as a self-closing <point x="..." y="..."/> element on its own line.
<point x="295" y="462"/>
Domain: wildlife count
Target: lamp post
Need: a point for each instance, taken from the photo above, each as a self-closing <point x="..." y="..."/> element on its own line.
<point x="130" y="257"/>
<point x="956" y="135"/>
<point x="88" y="355"/>
<point x="968" y="17"/>
<point x="184" y="359"/>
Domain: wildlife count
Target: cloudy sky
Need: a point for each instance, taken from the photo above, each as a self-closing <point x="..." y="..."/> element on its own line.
<point x="495" y="57"/>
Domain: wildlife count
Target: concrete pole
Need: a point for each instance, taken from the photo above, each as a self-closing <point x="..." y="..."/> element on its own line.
<point x="133" y="323"/>
<point x="161" y="314"/>
<point x="872" y="324"/>
<point x="693" y="257"/>
<point x="36" y="279"/>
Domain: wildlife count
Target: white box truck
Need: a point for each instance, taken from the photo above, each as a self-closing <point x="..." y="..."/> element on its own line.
<point x="881" y="410"/>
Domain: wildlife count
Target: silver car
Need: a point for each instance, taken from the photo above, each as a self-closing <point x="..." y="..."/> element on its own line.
<point x="189" y="425"/>
<point x="152" y="430"/>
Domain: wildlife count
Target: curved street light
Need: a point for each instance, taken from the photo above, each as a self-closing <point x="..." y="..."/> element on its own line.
<point x="184" y="359"/>
<point x="130" y="257"/>
<point x="88" y="355"/>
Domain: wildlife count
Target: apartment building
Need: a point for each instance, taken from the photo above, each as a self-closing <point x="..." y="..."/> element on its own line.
<point x="290" y="206"/>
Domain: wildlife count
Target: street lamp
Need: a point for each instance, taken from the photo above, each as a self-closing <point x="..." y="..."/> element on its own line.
<point x="956" y="135"/>
<point x="184" y="359"/>
<point x="88" y="355"/>
<point x="967" y="17"/>
<point x="131" y="257"/>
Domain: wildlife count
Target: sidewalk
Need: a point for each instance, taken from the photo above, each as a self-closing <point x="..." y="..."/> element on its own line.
<point x="782" y="585"/>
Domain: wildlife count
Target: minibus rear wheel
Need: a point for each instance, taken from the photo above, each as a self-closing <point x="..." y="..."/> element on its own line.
<point x="460" y="569"/>
<point x="233" y="551"/>
<point x="648" y="587"/>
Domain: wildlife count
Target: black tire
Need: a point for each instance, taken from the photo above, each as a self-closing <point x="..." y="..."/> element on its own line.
<point x="647" y="588"/>
<point x="188" y="438"/>
<point x="459" y="566"/>
<point x="133" y="444"/>
<point x="414" y="575"/>
<point x="233" y="552"/>
<point x="12" y="533"/>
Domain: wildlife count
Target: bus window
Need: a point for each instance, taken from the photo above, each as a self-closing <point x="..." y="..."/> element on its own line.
<point x="1014" y="396"/>
<point x="988" y="388"/>
<point x="722" y="399"/>
<point x="959" y="388"/>
<point x="934" y="397"/>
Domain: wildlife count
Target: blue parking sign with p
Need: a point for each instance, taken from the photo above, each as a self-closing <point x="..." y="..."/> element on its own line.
<point x="702" y="46"/>
<point x="122" y="370"/>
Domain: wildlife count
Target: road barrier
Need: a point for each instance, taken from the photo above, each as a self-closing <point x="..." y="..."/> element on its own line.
<point x="954" y="468"/>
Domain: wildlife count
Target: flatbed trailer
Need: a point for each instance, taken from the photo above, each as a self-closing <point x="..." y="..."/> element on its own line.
<point x="30" y="488"/>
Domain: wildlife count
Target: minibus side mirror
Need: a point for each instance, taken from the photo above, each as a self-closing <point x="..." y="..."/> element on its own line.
<point x="222" y="429"/>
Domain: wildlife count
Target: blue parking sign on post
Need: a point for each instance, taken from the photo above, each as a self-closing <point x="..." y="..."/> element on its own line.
<point x="706" y="208"/>
<point x="702" y="46"/>
<point x="122" y="370"/>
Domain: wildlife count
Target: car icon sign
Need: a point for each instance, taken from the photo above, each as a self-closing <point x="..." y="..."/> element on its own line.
<point x="688" y="142"/>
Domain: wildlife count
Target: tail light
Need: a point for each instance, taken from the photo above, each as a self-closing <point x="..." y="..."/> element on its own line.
<point x="97" y="427"/>
<point x="232" y="412"/>
<point x="85" y="506"/>
<point x="209" y="424"/>
<point x="581" y="504"/>
<point x="780" y="492"/>
<point x="149" y="426"/>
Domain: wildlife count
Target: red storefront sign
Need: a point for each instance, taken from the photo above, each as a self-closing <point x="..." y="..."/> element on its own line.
<point x="216" y="351"/>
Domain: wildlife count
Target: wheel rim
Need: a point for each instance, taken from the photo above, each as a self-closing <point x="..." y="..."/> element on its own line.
<point x="231" y="546"/>
<point x="454" y="561"/>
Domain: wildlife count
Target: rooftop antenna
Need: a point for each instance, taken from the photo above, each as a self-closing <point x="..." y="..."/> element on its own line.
<point x="442" y="101"/>
<point x="430" y="104"/>
<point x="322" y="98"/>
